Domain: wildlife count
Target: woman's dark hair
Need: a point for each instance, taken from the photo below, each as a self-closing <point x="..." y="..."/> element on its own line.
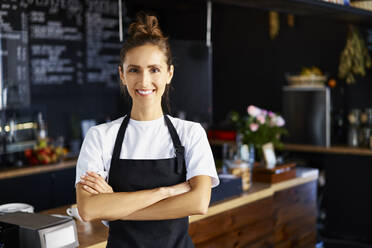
<point x="145" y="30"/>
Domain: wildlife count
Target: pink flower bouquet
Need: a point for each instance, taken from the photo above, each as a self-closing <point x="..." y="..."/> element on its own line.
<point x="259" y="126"/>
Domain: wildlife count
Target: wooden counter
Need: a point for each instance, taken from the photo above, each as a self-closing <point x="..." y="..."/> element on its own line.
<point x="29" y="170"/>
<point x="232" y="216"/>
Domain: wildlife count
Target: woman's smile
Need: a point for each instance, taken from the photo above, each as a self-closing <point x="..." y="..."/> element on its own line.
<point x="145" y="92"/>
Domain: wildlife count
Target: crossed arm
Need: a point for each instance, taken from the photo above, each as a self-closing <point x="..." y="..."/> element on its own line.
<point x="96" y="200"/>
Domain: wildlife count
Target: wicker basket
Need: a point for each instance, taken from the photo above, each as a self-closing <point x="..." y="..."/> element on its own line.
<point x="302" y="80"/>
<point x="362" y="4"/>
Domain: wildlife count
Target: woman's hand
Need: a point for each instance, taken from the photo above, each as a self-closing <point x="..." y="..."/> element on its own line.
<point x="93" y="183"/>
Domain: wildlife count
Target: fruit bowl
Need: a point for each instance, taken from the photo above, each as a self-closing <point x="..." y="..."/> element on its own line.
<point x="45" y="153"/>
<point x="306" y="80"/>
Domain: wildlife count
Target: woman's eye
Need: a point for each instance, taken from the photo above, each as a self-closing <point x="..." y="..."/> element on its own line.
<point x="133" y="70"/>
<point x="153" y="70"/>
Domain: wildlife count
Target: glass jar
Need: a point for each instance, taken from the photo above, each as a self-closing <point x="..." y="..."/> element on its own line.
<point x="338" y="128"/>
<point x="354" y="128"/>
<point x="367" y="131"/>
<point x="238" y="164"/>
<point x="353" y="140"/>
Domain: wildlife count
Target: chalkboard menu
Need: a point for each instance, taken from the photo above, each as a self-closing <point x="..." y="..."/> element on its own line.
<point x="56" y="43"/>
<point x="14" y="69"/>
<point x="64" y="42"/>
<point x="60" y="57"/>
<point x="102" y="46"/>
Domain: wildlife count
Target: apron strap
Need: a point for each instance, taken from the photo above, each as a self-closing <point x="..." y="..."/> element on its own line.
<point x="119" y="139"/>
<point x="180" y="150"/>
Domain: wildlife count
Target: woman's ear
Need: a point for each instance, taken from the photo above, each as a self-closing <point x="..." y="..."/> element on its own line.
<point x="121" y="74"/>
<point x="170" y="74"/>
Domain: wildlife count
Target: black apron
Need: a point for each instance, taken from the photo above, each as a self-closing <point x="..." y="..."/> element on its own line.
<point x="127" y="175"/>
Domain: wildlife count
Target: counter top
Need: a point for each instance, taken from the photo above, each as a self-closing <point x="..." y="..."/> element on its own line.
<point x="257" y="192"/>
<point x="29" y="170"/>
<point x="94" y="234"/>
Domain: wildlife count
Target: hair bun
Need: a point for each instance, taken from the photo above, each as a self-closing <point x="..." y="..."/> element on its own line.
<point x="146" y="25"/>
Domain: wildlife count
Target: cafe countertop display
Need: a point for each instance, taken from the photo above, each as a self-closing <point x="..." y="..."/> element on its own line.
<point x="94" y="234"/>
<point x="28" y="170"/>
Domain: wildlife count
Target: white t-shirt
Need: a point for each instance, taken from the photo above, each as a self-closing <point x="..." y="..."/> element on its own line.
<point x="146" y="140"/>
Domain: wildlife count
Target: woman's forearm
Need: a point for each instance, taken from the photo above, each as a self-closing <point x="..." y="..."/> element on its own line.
<point x="112" y="206"/>
<point x="196" y="201"/>
<point x="171" y="208"/>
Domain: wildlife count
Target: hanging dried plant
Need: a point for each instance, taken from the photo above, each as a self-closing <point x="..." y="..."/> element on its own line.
<point x="354" y="58"/>
<point x="290" y="20"/>
<point x="274" y="24"/>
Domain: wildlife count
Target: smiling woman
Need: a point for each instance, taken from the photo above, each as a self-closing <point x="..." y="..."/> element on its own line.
<point x="146" y="75"/>
<point x="146" y="172"/>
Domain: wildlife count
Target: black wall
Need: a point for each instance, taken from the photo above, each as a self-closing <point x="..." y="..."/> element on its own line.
<point x="249" y="68"/>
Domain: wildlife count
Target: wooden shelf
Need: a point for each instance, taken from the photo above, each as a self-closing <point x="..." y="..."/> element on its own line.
<point x="29" y="170"/>
<point x="331" y="150"/>
<point x="315" y="8"/>
<point x="311" y="148"/>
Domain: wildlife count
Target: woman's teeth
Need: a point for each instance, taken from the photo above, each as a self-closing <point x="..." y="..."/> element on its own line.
<point x="145" y="92"/>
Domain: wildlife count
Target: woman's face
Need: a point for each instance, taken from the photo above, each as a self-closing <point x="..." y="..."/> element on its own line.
<point x="145" y="73"/>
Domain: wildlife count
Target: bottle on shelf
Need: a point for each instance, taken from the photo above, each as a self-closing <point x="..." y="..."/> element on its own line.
<point x="42" y="131"/>
<point x="367" y="131"/>
<point x="12" y="130"/>
<point x="354" y="128"/>
<point x="338" y="125"/>
<point x="225" y="158"/>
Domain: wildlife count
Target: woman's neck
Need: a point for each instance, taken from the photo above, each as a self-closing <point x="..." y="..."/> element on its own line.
<point x="146" y="113"/>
